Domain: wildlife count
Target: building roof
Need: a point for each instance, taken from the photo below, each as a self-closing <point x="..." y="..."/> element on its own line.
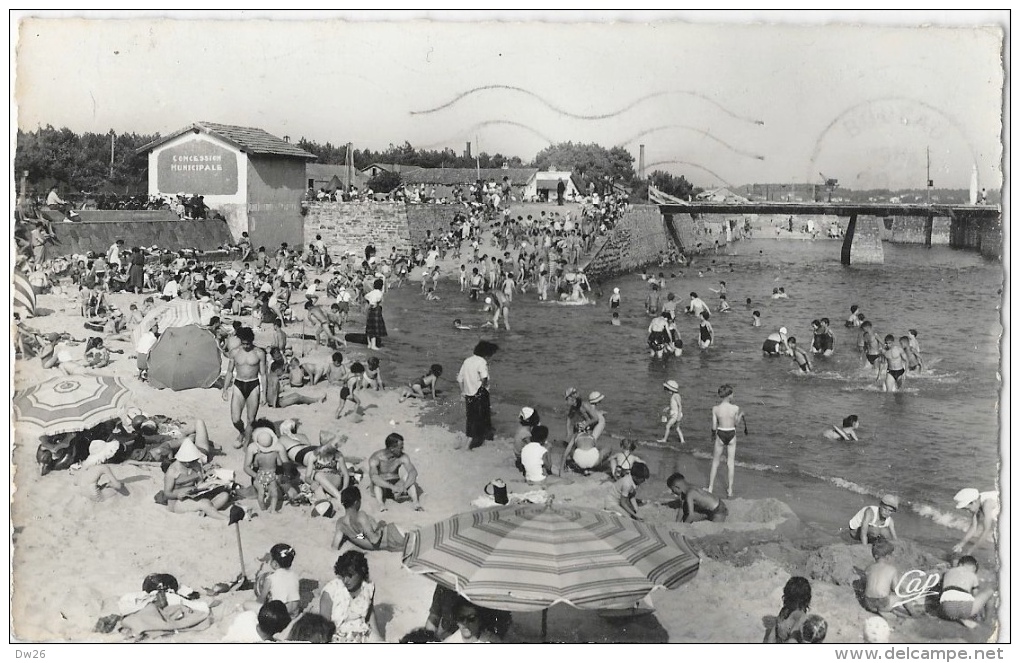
<point x="550" y="178"/>
<point x="324" y="172"/>
<point x="247" y="139"/>
<point x="455" y="176"/>
<point x="390" y="167"/>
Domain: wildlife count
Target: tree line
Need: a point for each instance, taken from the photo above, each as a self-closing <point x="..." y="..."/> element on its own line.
<point x="82" y="162"/>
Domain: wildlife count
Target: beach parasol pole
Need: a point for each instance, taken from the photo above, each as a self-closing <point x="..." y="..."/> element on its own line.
<point x="236" y="516"/>
<point x="545" y="615"/>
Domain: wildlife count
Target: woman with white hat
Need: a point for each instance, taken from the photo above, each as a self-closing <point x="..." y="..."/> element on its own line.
<point x="984" y="508"/>
<point x="182" y="485"/>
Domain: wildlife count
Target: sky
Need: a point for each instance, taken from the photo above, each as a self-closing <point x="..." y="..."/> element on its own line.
<point x="723" y="103"/>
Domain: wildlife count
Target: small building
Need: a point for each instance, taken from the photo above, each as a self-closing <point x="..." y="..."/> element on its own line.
<point x="330" y="176"/>
<point x="374" y="169"/>
<point x="251" y="177"/>
<point x="444" y="180"/>
<point x="546" y="183"/>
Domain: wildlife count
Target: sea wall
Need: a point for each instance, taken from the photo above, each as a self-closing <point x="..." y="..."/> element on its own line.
<point x="914" y="230"/>
<point x="349" y="227"/>
<point x="635" y="241"/>
<point x="866" y="246"/>
<point x="424" y="217"/>
<point x="204" y="235"/>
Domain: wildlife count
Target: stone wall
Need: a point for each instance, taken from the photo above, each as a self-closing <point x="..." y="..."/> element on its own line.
<point x="349" y="227"/>
<point x="204" y="235"/>
<point x="914" y="230"/>
<point x="436" y="218"/>
<point x="125" y="215"/>
<point x="636" y="241"/>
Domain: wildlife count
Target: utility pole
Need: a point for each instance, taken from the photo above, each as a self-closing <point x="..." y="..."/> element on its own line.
<point x="113" y="137"/>
<point x="927" y="154"/>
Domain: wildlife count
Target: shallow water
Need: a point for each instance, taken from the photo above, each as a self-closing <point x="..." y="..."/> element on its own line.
<point x="937" y="436"/>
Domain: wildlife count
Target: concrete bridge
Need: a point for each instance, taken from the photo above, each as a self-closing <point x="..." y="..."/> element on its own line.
<point x="977" y="227"/>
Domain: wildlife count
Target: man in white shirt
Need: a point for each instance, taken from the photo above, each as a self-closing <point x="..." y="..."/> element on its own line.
<point x="53" y="199"/>
<point x="171" y="290"/>
<point x="473" y="379"/>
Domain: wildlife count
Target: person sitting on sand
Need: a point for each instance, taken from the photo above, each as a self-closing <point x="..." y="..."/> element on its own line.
<point x="880" y="580"/>
<point x="984" y="508"/>
<point x="95" y="477"/>
<point x="873" y="522"/>
<point x="348" y="600"/>
<point x="796" y="604"/>
<point x="337" y="373"/>
<point x="392" y="474"/>
<point x="528" y="419"/>
<point x="361" y="530"/>
<point x="846" y="432"/>
<point x="262" y="626"/>
<point x="276" y="581"/>
<point x="623" y="460"/>
<point x="263" y="458"/>
<point x="695" y="500"/>
<point x="958" y="600"/>
<point x="583" y="453"/>
<point x="324" y="466"/>
<point x="183" y="486"/>
<point x="313" y="628"/>
<point x="621" y="498"/>
<point x="275" y="395"/>
<point x="416" y="389"/>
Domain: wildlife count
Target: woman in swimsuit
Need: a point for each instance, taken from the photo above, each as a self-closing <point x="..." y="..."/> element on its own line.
<point x="706" y="335"/>
<point x="324" y="467"/>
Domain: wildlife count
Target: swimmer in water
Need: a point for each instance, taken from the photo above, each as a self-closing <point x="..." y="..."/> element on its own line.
<point x="706" y="335"/>
<point x="853" y="320"/>
<point x="614" y="299"/>
<point x="775" y="344"/>
<point x="457" y="324"/>
<point x="913" y="351"/>
<point x="895" y="362"/>
<point x="823" y="342"/>
<point x="725" y="417"/>
<point x="846" y="432"/>
<point x="756" y="319"/>
<point x="616" y="319"/>
<point x="867" y="344"/>
<point x="724" y="306"/>
<point x="799" y="356"/>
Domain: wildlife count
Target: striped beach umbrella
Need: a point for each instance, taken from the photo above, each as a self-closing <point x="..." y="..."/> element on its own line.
<point x="24" y="295"/>
<point x="175" y="313"/>
<point x="529" y="557"/>
<point x="71" y="403"/>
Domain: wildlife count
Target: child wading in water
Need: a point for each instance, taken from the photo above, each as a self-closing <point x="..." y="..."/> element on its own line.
<point x="675" y="411"/>
<point x="799" y="356"/>
<point x="725" y="417"/>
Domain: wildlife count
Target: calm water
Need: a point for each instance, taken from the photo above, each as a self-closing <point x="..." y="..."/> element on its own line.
<point x="939" y="435"/>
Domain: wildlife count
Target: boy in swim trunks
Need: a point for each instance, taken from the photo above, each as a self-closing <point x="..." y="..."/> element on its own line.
<point x="867" y="344"/>
<point x="695" y="500"/>
<point x="336" y="372"/>
<point x="799" y="356"/>
<point x="958" y="602"/>
<point x="895" y="363"/>
<point x="725" y="417"/>
<point x="913" y="359"/>
<point x="880" y="581"/>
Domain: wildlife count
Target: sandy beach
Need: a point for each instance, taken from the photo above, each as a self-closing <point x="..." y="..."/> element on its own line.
<point x="74" y="558"/>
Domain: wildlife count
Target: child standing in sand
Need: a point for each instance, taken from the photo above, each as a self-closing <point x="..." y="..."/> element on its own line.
<point x="262" y="459"/>
<point x="725" y="417"/>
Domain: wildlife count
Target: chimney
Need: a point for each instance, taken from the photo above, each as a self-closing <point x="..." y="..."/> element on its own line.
<point x="641" y="162"/>
<point x="467" y="150"/>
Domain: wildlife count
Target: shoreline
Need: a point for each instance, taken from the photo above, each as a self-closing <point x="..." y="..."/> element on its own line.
<point x="93" y="553"/>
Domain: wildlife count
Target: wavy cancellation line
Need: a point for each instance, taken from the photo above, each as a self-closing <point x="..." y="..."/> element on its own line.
<point x="577" y="116"/>
<point x="688" y="163"/>
<point x="704" y="133"/>
<point x="489" y="123"/>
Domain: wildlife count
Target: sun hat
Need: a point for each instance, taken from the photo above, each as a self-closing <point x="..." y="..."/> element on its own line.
<point x="488" y="300"/>
<point x="782" y="330"/>
<point x="188" y="452"/>
<point x="595" y="397"/>
<point x="616" y="291"/>
<point x="671" y="385"/>
<point x="965" y="497"/>
<point x="264" y="437"/>
<point x="571" y="391"/>
<point x="101" y="451"/>
<point x="891" y="501"/>
<point x="527" y="413"/>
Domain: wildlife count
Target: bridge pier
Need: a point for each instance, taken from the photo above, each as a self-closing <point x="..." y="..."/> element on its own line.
<point x="862" y="243"/>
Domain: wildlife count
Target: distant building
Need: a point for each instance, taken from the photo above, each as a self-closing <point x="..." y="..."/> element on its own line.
<point x="374" y="169"/>
<point x="547" y="181"/>
<point x="444" y="180"/>
<point x="251" y="177"/>
<point x="721" y="195"/>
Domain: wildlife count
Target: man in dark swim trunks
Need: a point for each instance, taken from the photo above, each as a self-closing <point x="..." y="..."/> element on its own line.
<point x="867" y="344"/>
<point x="246" y="366"/>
